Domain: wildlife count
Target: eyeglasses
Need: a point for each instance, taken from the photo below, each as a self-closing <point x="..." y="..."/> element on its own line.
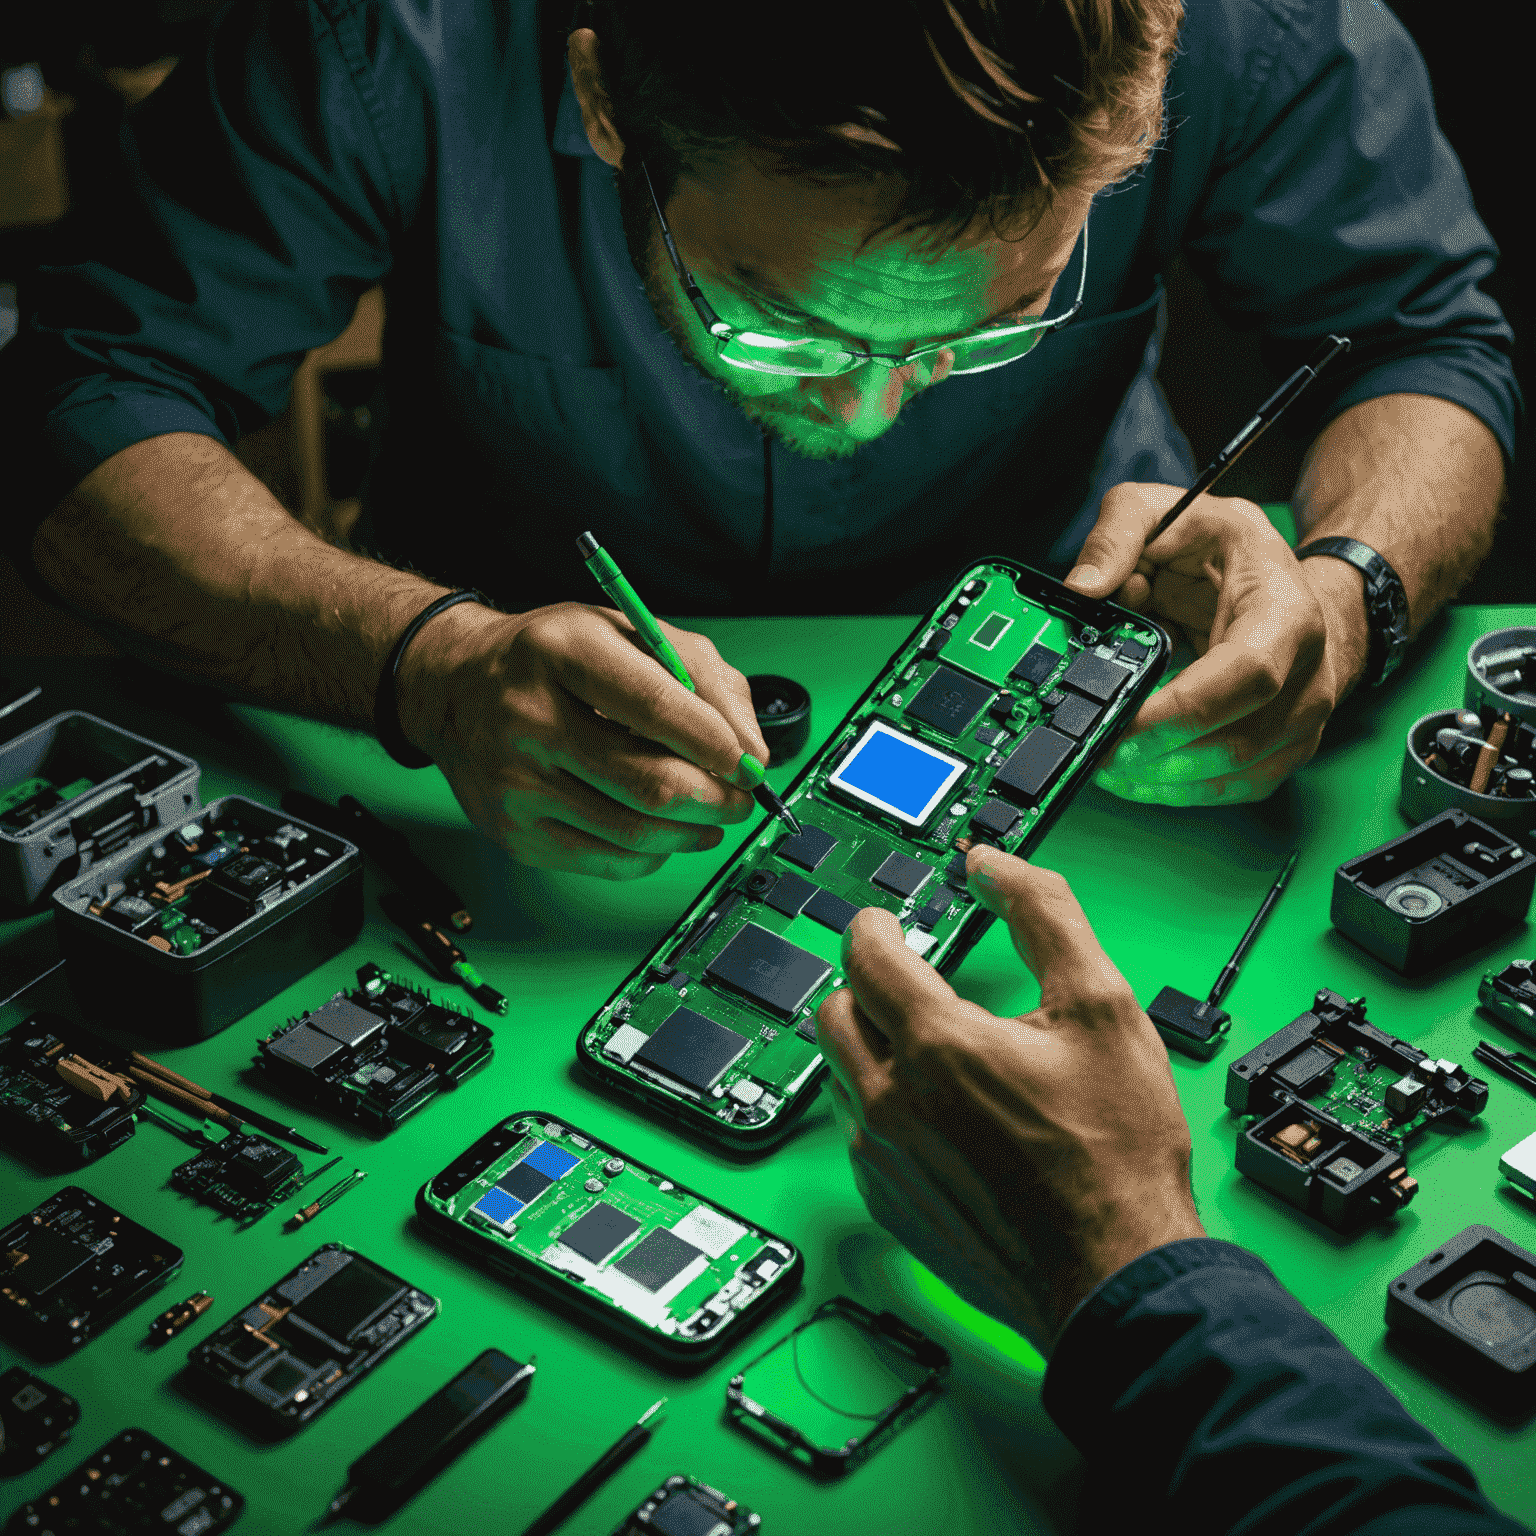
<point x="810" y="357"/>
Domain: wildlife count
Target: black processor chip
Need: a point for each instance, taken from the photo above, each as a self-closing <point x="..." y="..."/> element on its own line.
<point x="1075" y="716"/>
<point x="658" y="1257"/>
<point x="343" y="1020"/>
<point x="771" y="971"/>
<point x="1032" y="767"/>
<point x="599" y="1232"/>
<point x="693" y="1049"/>
<point x="790" y="894"/>
<point x="1037" y="664"/>
<point x="950" y="700"/>
<point x="257" y="1166"/>
<point x="808" y="847"/>
<point x="1098" y="678"/>
<point x="901" y="875"/>
<point x="831" y="911"/>
<point x="996" y="819"/>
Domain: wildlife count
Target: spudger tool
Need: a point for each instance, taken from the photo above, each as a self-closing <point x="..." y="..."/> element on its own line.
<point x="1198" y="1028"/>
<point x="1515" y="1065"/>
<point x="441" y="951"/>
<point x="425" y="1441"/>
<point x="597" y="1474"/>
<point x="211" y="1106"/>
<point x="611" y="579"/>
<point x="388" y="849"/>
<point x="1266" y="415"/>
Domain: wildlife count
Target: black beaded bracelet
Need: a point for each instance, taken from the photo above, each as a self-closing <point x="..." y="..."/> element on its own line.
<point x="386" y="705"/>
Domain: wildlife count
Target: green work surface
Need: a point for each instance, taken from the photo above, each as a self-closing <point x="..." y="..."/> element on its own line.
<point x="1169" y="892"/>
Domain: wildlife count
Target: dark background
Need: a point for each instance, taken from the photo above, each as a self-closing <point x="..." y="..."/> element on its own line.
<point x="1212" y="374"/>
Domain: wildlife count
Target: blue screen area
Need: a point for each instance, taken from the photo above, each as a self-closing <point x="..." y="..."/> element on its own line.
<point x="551" y="1160"/>
<point x="498" y="1205"/>
<point x="895" y="771"/>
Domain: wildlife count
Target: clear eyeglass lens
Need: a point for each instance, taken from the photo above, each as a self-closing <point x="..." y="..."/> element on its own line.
<point x="822" y="359"/>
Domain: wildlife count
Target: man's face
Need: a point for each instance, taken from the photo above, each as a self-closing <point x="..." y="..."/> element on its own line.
<point x="758" y="242"/>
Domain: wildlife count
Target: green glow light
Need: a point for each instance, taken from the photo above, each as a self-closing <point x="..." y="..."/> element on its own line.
<point x="1003" y="1339"/>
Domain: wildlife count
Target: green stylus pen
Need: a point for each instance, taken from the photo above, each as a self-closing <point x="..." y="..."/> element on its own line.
<point x="613" y="582"/>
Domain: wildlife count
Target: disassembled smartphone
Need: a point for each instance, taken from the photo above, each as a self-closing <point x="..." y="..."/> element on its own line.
<point x="317" y="1332"/>
<point x="683" y="1506"/>
<point x="73" y="1264"/>
<point x="990" y="716"/>
<point x="65" y="1097"/>
<point x="35" y="1420"/>
<point x="133" y="1485"/>
<point x="616" y="1242"/>
<point x="1333" y="1102"/>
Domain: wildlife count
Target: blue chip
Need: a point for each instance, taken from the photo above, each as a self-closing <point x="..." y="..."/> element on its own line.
<point x="555" y="1162"/>
<point x="498" y="1206"/>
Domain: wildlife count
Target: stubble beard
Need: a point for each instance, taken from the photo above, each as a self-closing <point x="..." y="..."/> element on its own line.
<point x="648" y="256"/>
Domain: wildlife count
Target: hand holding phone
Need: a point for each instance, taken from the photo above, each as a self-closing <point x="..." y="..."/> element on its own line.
<point x="1272" y="661"/>
<point x="1022" y="1160"/>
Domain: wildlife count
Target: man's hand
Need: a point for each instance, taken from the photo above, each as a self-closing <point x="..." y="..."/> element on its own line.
<point x="1022" y="1160"/>
<point x="1278" y="643"/>
<point x="572" y="747"/>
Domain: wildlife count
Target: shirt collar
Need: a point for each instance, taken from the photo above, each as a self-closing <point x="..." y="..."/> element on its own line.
<point x="570" y="135"/>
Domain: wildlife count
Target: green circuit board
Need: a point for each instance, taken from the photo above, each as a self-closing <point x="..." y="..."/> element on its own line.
<point x="1357" y="1099"/>
<point x="621" y="1234"/>
<point x="981" y="727"/>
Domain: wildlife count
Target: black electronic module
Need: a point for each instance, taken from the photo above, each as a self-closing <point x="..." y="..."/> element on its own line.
<point x="64" y="1098"/>
<point x="1333" y="1103"/>
<point x="71" y="1265"/>
<point x="135" y="1485"/>
<point x="314" y="1334"/>
<point x="378" y="1053"/>
<point x="245" y="1175"/>
<point x="683" y="1506"/>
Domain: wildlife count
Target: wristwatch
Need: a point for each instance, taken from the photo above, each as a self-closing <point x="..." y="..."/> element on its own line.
<point x="1386" y="604"/>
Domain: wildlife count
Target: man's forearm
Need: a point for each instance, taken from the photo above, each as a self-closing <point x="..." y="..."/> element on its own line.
<point x="1418" y="479"/>
<point x="188" y="561"/>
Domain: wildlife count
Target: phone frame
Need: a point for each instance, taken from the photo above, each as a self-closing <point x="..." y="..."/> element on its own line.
<point x="1034" y="586"/>
<point x="558" y="1289"/>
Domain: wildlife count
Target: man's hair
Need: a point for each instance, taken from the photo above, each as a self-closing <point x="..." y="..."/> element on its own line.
<point x="996" y="105"/>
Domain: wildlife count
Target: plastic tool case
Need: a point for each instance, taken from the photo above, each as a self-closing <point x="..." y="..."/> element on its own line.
<point x="292" y="927"/>
<point x="78" y="789"/>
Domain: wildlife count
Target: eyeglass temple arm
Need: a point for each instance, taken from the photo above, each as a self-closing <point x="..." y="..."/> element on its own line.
<point x="710" y="320"/>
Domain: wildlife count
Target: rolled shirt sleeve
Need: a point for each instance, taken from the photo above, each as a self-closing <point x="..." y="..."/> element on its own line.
<point x="257" y="194"/>
<point x="1331" y="201"/>
<point x="1201" y="1390"/>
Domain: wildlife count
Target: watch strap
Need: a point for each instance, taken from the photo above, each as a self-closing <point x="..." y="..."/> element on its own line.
<point x="1386" y="603"/>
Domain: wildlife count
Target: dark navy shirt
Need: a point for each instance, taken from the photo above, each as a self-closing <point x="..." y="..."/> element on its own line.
<point x="1209" y="1402"/>
<point x="322" y="146"/>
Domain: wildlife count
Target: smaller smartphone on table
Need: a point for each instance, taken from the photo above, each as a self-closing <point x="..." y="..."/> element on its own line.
<point x="611" y="1240"/>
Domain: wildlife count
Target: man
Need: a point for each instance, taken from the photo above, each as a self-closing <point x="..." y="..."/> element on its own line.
<point x="882" y="200"/>
<point x="1041" y="1167"/>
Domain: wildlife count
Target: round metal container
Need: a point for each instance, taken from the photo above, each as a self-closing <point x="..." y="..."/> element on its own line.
<point x="783" y="714"/>
<point x="1481" y="695"/>
<point x="1426" y="793"/>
